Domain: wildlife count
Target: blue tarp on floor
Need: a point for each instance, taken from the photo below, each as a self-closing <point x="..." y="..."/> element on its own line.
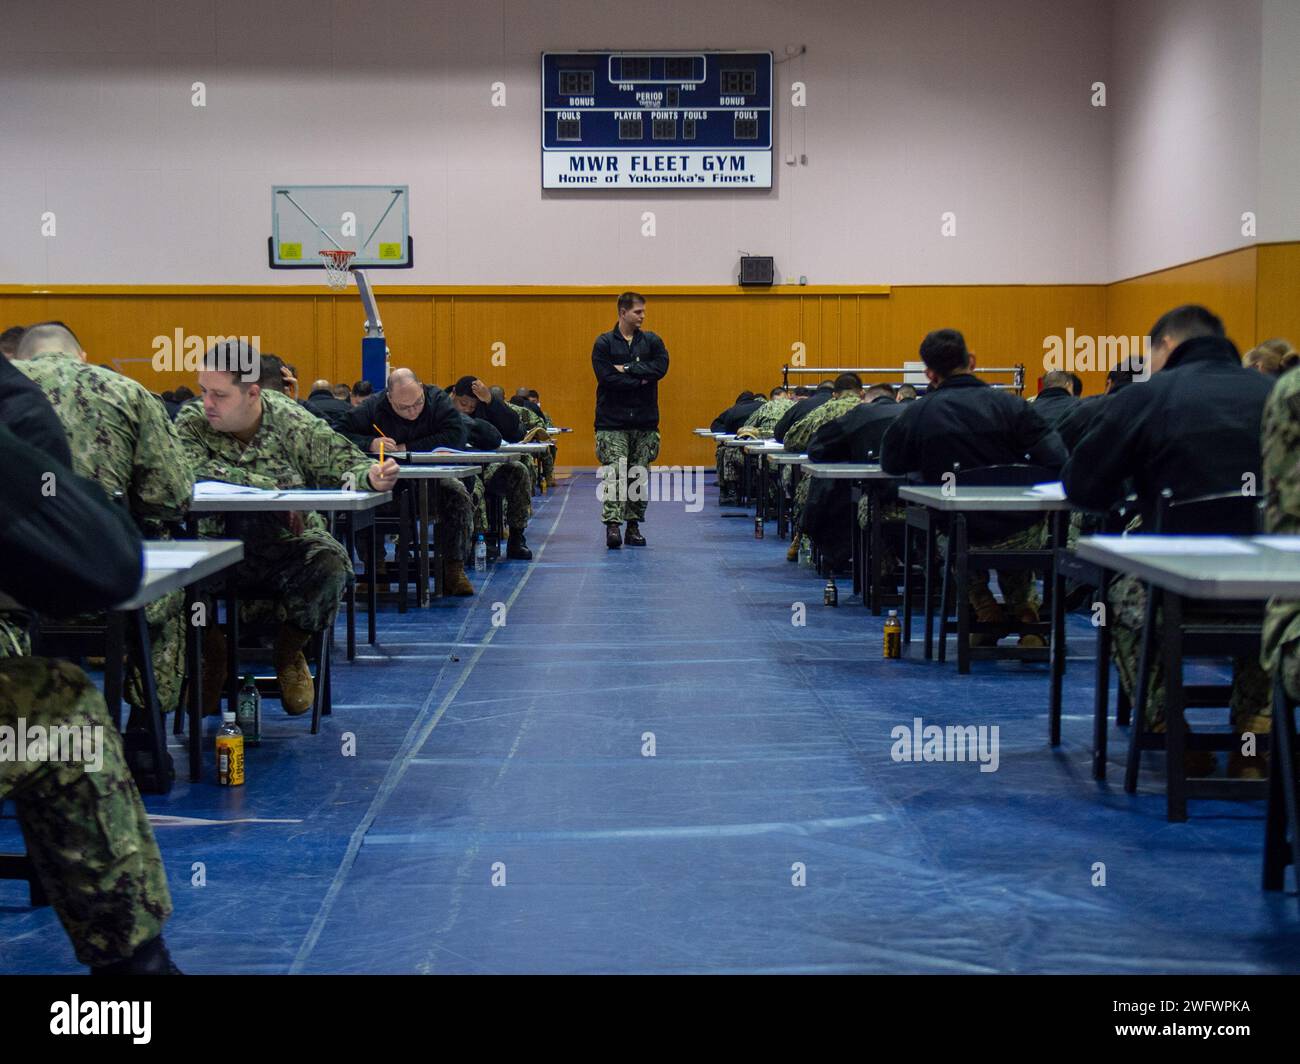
<point x="501" y="813"/>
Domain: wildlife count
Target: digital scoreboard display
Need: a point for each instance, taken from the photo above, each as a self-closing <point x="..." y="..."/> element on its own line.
<point x="657" y="120"/>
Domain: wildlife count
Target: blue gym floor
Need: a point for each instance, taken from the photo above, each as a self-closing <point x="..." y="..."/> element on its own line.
<point x="516" y="750"/>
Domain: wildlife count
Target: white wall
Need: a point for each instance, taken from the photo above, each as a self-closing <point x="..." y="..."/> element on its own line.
<point x="1279" y="126"/>
<point x="914" y="108"/>
<point x="1185" y="100"/>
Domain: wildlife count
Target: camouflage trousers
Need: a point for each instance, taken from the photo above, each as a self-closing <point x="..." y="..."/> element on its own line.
<point x="1019" y="586"/>
<point x="453" y="510"/>
<point x="731" y="465"/>
<point x="1251" y="695"/>
<point x="512" y="482"/>
<point x="619" y="451"/>
<point x="891" y="511"/>
<point x="86" y="830"/>
<point x="298" y="578"/>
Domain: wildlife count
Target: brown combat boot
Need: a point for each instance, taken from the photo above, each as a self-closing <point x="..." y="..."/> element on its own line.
<point x="988" y="610"/>
<point x="454" y="580"/>
<point x="297" y="693"/>
<point x="1029" y="639"/>
<point x="214" y="669"/>
<point x="792" y="551"/>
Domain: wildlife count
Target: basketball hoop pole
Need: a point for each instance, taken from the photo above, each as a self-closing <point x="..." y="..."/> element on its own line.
<point x="374" y="348"/>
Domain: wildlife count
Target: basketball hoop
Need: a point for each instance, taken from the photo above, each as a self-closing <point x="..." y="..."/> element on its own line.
<point x="336" y="266"/>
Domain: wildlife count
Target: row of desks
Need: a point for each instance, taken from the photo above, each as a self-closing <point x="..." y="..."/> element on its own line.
<point x="187" y="564"/>
<point x="1185" y="568"/>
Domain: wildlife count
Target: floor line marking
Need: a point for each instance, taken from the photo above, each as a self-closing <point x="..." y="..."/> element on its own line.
<point x="410" y="748"/>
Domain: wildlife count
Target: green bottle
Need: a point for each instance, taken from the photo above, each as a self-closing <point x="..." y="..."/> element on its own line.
<point x="248" y="714"/>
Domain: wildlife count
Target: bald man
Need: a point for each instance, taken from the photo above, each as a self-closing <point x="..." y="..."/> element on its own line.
<point x="326" y="405"/>
<point x="121" y="438"/>
<point x="419" y="417"/>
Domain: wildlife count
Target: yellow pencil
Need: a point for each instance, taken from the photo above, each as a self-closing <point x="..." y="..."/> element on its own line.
<point x="381" y="441"/>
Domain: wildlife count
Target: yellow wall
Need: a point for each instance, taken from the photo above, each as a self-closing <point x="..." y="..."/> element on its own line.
<point x="721" y="340"/>
<point x="1227" y="284"/>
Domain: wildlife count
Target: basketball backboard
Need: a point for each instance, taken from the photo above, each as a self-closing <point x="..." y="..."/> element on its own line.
<point x="371" y="220"/>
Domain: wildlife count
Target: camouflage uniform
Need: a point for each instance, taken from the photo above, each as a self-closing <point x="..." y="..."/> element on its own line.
<point x="763" y="422"/>
<point x="1019" y="586"/>
<point x="87" y="833"/>
<point x="1128" y="604"/>
<point x="542" y="465"/>
<point x="625" y="449"/>
<point x="511" y="480"/>
<point x="1280" y="443"/>
<point x="121" y="438"/>
<point x="801" y="433"/>
<point x="305" y="574"/>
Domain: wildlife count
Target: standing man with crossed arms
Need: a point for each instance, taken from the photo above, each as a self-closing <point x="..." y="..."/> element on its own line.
<point x="628" y="364"/>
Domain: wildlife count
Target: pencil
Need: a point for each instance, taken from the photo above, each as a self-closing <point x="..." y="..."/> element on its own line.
<point x="381" y="441"/>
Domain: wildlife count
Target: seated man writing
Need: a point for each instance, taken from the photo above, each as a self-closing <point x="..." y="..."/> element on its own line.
<point x="413" y="416"/>
<point x="243" y="434"/>
<point x="963" y="422"/>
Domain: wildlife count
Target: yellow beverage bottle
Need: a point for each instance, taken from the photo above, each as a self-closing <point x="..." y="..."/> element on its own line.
<point x="893" y="636"/>
<point x="230" y="752"/>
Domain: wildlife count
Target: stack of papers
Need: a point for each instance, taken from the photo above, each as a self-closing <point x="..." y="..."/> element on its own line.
<point x="1055" y="491"/>
<point x="217" y="489"/>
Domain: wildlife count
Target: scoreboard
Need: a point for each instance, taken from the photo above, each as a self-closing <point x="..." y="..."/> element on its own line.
<point x="656" y="120"/>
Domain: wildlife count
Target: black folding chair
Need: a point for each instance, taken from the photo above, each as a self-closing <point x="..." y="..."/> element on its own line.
<point x="1191" y="629"/>
<point x="960" y="557"/>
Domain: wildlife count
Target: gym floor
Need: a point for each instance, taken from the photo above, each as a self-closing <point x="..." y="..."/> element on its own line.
<point x="501" y="813"/>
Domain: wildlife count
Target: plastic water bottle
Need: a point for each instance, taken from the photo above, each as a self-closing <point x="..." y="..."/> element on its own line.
<point x="248" y="714"/>
<point x="480" y="554"/>
<point x="805" y="552"/>
<point x="758" y="528"/>
<point x="230" y="752"/>
<point x="893" y="636"/>
<point x="831" y="595"/>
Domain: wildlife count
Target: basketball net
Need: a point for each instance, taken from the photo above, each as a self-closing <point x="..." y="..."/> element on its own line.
<point x="336" y="266"/>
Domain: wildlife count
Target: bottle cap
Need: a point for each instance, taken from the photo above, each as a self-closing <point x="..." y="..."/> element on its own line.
<point x="228" y="716"/>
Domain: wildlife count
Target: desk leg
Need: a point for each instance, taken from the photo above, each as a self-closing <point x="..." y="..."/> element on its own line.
<point x="403" y="546"/>
<point x="907" y="579"/>
<point x="194" y="667"/>
<point x="351" y="588"/>
<point x="929" y="585"/>
<point x="372" y="582"/>
<point x="1101" y="693"/>
<point x="855" y="541"/>
<point x="114" y="651"/>
<point x="780" y="505"/>
<point x="232" y="646"/>
<point x="960" y="599"/>
<point x="1283" y="815"/>
<point x="876" y="551"/>
<point x="157" y="731"/>
<point x="1175" y="721"/>
<point x="422" y="566"/>
<point x="1057" y="652"/>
